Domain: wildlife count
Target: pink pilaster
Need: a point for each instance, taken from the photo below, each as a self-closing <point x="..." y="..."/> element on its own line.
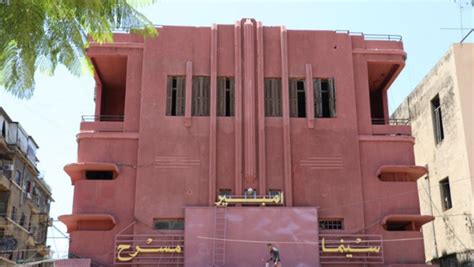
<point x="286" y="117"/>
<point x="188" y="94"/>
<point x="309" y="96"/>
<point x="249" y="107"/>
<point x="213" y="118"/>
<point x="238" y="107"/>
<point x="261" y="111"/>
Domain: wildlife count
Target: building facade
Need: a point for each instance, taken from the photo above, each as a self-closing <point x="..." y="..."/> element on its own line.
<point x="24" y="197"/>
<point x="442" y="118"/>
<point x="207" y="143"/>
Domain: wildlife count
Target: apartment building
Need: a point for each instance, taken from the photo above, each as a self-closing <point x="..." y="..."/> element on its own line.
<point x="25" y="197"/>
<point x="442" y="119"/>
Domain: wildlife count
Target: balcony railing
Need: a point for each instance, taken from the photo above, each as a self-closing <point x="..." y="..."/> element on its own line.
<point x="382" y="121"/>
<point x="374" y="37"/>
<point x="95" y="118"/>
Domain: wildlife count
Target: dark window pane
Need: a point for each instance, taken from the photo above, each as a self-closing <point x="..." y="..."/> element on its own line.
<point x="99" y="175"/>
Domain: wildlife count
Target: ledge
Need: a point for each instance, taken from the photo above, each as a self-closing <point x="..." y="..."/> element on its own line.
<point x="77" y="171"/>
<point x="386" y="138"/>
<point x="106" y="135"/>
<point x="400" y="173"/>
<point x="88" y="222"/>
<point x="415" y="220"/>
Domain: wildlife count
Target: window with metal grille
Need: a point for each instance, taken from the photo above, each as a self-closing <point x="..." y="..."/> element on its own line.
<point x="297" y="98"/>
<point x="273" y="97"/>
<point x="324" y="98"/>
<point x="13" y="215"/>
<point x="225" y="192"/>
<point x="168" y="224"/>
<point x="225" y="96"/>
<point x="273" y="192"/>
<point x="175" y="96"/>
<point x="201" y="90"/>
<point x="445" y="194"/>
<point x="331" y="224"/>
<point x="437" y="119"/>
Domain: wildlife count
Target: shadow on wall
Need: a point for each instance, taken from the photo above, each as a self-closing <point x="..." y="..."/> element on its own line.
<point x="464" y="259"/>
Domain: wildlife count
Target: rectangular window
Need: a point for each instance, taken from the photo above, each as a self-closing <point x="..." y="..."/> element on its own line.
<point x="201" y="90"/>
<point x="331" y="224"/>
<point x="437" y="119"/>
<point x="225" y="96"/>
<point x="273" y="192"/>
<point x="18" y="177"/>
<point x="445" y="194"/>
<point x="324" y="98"/>
<point x="168" y="224"/>
<point x="273" y="97"/>
<point x="175" y="96"/>
<point x="99" y="175"/>
<point x="225" y="192"/>
<point x="297" y="98"/>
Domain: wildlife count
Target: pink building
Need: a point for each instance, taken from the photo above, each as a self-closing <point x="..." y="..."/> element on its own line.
<point x="207" y="143"/>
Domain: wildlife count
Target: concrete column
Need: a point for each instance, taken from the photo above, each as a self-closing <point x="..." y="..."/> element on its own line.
<point x="238" y="107"/>
<point x="286" y="118"/>
<point x="188" y="94"/>
<point x="249" y="106"/>
<point x="261" y="112"/>
<point x="213" y="118"/>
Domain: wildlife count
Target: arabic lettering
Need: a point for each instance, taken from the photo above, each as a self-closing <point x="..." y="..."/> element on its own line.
<point x="226" y="200"/>
<point x="347" y="249"/>
<point x="131" y="255"/>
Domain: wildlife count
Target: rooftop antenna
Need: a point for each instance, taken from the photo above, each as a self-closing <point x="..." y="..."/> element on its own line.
<point x="462" y="4"/>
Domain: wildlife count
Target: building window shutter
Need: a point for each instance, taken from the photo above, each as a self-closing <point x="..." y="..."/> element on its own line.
<point x="180" y="94"/>
<point x="169" y="94"/>
<point x="200" y="97"/>
<point x="318" y="107"/>
<point x="293" y="98"/>
<point x="220" y="96"/>
<point x="332" y="97"/>
<point x="277" y="98"/>
<point x="232" y="97"/>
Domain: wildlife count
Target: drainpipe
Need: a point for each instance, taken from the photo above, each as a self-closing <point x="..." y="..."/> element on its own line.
<point x="431" y="212"/>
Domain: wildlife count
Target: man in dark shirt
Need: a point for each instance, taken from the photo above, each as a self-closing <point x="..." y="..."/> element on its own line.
<point x="274" y="255"/>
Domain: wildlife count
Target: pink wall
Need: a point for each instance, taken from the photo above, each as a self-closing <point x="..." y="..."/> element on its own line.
<point x="287" y="228"/>
<point x="170" y="163"/>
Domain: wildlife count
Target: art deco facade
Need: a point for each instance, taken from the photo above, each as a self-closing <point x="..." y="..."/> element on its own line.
<point x="209" y="142"/>
<point x="24" y="197"/>
<point x="442" y="118"/>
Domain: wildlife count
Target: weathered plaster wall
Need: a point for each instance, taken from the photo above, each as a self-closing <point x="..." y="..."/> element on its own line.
<point x="452" y="80"/>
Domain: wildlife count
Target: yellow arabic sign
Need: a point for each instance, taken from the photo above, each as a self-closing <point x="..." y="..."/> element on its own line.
<point x="347" y="249"/>
<point x="226" y="200"/>
<point x="139" y="250"/>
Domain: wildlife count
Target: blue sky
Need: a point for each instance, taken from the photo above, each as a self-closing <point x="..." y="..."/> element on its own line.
<point x="53" y="114"/>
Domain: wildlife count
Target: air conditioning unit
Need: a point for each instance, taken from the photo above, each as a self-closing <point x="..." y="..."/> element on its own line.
<point x="7" y="167"/>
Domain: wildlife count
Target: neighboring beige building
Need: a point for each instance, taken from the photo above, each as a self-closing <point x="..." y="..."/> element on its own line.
<point x="442" y="120"/>
<point x="24" y="198"/>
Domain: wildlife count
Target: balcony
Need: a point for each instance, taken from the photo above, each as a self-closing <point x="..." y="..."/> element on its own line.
<point x="88" y="222"/>
<point x="102" y="123"/>
<point x="91" y="171"/>
<point x="405" y="222"/>
<point x="4" y="182"/>
<point x="400" y="173"/>
<point x="394" y="127"/>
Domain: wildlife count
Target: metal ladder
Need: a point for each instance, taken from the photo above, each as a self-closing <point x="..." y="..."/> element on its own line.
<point x="220" y="229"/>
